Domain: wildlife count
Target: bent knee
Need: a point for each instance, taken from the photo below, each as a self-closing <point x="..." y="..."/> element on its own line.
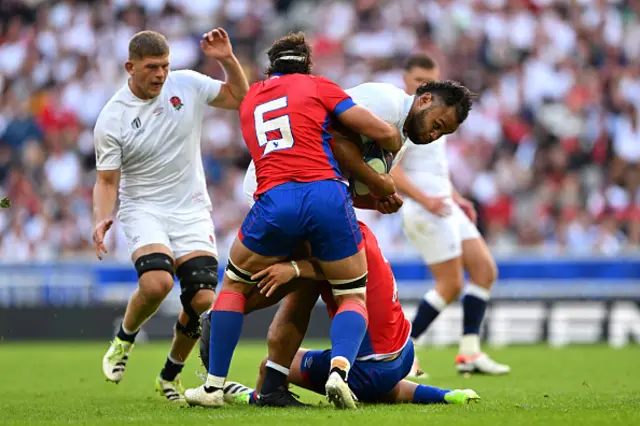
<point x="203" y="300"/>
<point x="450" y="288"/>
<point x="485" y="275"/>
<point x="156" y="285"/>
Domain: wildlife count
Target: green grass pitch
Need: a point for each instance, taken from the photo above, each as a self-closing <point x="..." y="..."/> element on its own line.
<point x="62" y="383"/>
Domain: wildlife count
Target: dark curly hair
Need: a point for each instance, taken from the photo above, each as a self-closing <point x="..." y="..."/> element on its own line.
<point x="451" y="93"/>
<point x="290" y="55"/>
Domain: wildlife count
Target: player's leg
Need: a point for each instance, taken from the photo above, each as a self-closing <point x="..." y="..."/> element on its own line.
<point x="309" y="370"/>
<point x="336" y="242"/>
<point x="154" y="264"/>
<point x="410" y="392"/>
<point x="439" y="242"/>
<point x="285" y="336"/>
<point x="260" y="232"/>
<point x="482" y="271"/>
<point x="193" y="242"/>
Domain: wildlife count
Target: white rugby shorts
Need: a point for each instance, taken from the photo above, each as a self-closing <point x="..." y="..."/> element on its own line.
<point x="438" y="239"/>
<point x="182" y="233"/>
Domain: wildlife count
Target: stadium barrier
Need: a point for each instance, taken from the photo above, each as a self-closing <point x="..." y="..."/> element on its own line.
<point x="558" y="301"/>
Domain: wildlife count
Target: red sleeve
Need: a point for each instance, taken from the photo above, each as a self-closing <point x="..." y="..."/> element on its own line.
<point x="332" y="96"/>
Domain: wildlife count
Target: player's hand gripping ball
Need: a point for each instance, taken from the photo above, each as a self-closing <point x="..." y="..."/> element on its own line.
<point x="378" y="159"/>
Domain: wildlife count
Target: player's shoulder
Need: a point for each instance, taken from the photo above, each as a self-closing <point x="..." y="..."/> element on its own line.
<point x="384" y="90"/>
<point x="183" y="77"/>
<point x="110" y="116"/>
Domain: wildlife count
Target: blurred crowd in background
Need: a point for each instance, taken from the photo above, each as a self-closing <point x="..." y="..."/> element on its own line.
<point x="550" y="153"/>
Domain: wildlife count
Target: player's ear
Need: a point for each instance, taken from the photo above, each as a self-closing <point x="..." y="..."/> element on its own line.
<point x="424" y="101"/>
<point x="129" y="67"/>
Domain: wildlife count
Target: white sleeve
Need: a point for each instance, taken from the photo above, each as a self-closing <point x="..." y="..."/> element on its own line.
<point x="107" y="145"/>
<point x="206" y="87"/>
<point x="384" y="100"/>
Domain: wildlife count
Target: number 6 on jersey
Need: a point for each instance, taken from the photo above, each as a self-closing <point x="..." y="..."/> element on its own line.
<point x="279" y="124"/>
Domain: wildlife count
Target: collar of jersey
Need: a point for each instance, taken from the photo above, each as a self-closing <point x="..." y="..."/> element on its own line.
<point x="276" y="74"/>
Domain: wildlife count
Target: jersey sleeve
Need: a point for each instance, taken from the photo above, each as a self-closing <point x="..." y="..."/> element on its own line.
<point x="206" y="87"/>
<point x="383" y="100"/>
<point x="107" y="146"/>
<point x="333" y="97"/>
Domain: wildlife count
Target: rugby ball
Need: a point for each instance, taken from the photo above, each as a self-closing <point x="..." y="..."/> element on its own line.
<point x="378" y="159"/>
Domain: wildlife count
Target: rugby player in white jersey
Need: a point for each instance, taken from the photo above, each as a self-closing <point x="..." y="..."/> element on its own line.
<point x="147" y="141"/>
<point x="437" y="109"/>
<point x="441" y="225"/>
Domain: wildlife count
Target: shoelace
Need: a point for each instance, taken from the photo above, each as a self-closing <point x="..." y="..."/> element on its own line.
<point x="118" y="351"/>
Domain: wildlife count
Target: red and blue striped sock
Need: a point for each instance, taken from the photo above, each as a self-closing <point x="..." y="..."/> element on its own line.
<point x="347" y="331"/>
<point x="227" y="317"/>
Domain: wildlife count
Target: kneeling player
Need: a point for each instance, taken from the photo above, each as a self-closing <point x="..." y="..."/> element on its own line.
<point x="385" y="356"/>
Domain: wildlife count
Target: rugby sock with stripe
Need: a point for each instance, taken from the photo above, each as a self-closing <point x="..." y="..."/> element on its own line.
<point x="275" y="377"/>
<point x="428" y="310"/>
<point x="227" y="317"/>
<point x="347" y="331"/>
<point x="171" y="369"/>
<point x="474" y="305"/>
<point x="126" y="335"/>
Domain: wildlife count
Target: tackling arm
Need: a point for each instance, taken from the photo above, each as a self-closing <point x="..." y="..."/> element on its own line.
<point x="350" y="159"/>
<point x="364" y="122"/>
<point x="235" y="88"/>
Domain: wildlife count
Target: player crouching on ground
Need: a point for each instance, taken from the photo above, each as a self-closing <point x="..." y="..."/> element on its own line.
<point x="149" y="134"/>
<point x="387" y="352"/>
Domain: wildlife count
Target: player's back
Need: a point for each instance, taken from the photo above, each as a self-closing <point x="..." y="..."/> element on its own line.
<point x="286" y="124"/>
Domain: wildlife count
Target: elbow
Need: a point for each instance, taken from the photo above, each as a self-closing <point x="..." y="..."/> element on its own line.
<point x="393" y="140"/>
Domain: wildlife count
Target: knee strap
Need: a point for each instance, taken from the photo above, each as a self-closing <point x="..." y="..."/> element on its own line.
<point x="199" y="273"/>
<point x="154" y="262"/>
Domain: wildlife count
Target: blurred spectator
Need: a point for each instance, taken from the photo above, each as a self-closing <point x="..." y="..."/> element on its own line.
<point x="550" y="153"/>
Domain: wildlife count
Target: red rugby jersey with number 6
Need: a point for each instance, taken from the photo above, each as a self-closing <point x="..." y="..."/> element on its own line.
<point x="286" y="124"/>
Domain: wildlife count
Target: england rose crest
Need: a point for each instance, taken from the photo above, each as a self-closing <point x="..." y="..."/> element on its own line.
<point x="176" y="103"/>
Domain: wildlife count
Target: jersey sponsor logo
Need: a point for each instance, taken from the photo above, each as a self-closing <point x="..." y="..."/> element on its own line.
<point x="136" y="123"/>
<point x="176" y="103"/>
<point x="158" y="111"/>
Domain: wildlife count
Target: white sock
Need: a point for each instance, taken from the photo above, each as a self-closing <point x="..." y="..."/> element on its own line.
<point x="170" y="358"/>
<point x="214" y="381"/>
<point x="469" y="344"/>
<point x="278" y="367"/>
<point x="477" y="291"/>
<point x="433" y="298"/>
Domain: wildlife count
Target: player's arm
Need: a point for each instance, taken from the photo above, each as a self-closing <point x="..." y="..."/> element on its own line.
<point x="105" y="194"/>
<point x="436" y="205"/>
<point x="105" y="190"/>
<point x="216" y="44"/>
<point x="358" y="118"/>
<point x="281" y="273"/>
<point x="349" y="157"/>
<point x="364" y="122"/>
<point x="235" y="87"/>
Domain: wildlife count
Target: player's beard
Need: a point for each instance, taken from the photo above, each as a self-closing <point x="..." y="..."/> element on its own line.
<point x="416" y="126"/>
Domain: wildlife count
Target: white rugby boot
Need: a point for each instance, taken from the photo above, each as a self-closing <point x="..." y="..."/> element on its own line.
<point x="115" y="360"/>
<point x="198" y="396"/>
<point x="480" y="363"/>
<point x="338" y="392"/>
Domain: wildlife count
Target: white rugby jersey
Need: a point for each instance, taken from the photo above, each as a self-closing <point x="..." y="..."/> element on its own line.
<point x="428" y="168"/>
<point x="389" y="103"/>
<point x="156" y="144"/>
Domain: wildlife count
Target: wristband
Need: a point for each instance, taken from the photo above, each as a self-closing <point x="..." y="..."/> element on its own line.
<point x="297" y="269"/>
